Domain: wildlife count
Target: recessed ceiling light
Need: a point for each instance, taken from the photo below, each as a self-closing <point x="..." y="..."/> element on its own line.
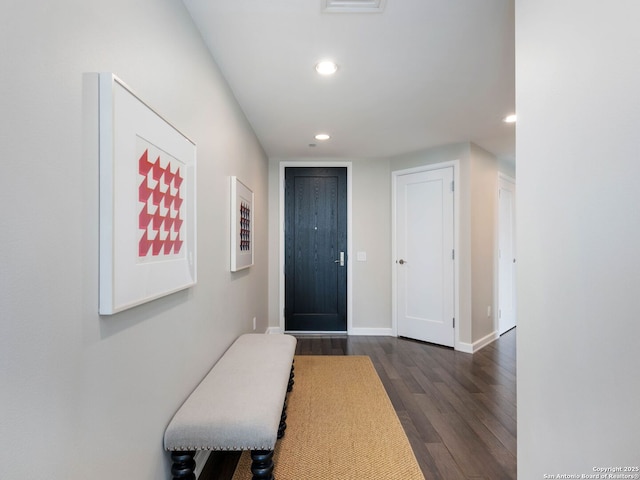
<point x="326" y="67"/>
<point x="322" y="136"/>
<point x="510" y="118"/>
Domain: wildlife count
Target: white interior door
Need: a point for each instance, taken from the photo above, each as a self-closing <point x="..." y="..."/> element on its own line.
<point x="424" y="255"/>
<point x="506" y="255"/>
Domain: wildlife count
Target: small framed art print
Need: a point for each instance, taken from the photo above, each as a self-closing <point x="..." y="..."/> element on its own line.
<point x="241" y="225"/>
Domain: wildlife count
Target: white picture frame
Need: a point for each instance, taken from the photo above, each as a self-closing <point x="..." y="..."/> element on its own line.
<point x="147" y="201"/>
<point x="242" y="225"/>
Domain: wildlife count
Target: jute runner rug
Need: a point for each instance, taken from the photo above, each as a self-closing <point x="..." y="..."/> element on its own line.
<point x="341" y="425"/>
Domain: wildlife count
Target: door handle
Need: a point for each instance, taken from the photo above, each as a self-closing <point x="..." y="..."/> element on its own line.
<point x="340" y="260"/>
<point x="402" y="262"/>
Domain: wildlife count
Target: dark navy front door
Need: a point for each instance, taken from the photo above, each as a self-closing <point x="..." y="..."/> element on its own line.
<point x="316" y="249"/>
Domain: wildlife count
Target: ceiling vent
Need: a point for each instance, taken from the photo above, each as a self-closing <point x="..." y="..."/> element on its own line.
<point x="353" y="6"/>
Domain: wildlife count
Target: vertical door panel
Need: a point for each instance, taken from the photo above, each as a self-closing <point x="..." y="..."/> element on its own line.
<point x="424" y="244"/>
<point x="506" y="257"/>
<point x="315" y="234"/>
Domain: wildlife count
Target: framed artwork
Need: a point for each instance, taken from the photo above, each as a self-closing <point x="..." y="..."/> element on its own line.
<point x="241" y="225"/>
<point x="147" y="201"/>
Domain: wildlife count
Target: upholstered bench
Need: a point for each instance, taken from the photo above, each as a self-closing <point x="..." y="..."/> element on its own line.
<point x="239" y="405"/>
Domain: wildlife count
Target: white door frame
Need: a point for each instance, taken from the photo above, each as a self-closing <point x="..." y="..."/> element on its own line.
<point x="456" y="242"/>
<point x="311" y="164"/>
<point x="496" y="287"/>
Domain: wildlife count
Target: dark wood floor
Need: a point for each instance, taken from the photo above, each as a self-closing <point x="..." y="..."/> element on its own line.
<point x="458" y="410"/>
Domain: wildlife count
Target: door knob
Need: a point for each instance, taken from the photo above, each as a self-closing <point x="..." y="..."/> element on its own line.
<point x="340" y="260"/>
<point x="401" y="261"/>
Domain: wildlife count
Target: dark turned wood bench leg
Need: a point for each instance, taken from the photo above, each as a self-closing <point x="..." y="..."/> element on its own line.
<point x="262" y="464"/>
<point x="283" y="424"/>
<point x="184" y="465"/>
<point x="291" y="382"/>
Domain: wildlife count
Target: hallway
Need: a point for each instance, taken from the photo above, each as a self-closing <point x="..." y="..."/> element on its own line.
<point x="459" y="410"/>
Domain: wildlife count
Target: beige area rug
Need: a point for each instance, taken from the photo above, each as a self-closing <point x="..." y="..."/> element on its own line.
<point x="341" y="425"/>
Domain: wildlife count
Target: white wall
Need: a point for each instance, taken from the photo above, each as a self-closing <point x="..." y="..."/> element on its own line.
<point x="83" y="396"/>
<point x="578" y="227"/>
<point x="372" y="235"/>
<point x="484" y="209"/>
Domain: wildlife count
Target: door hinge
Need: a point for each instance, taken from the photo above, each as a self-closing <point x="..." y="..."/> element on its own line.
<point x="454" y="323"/>
<point x="453" y="254"/>
<point x="453" y="186"/>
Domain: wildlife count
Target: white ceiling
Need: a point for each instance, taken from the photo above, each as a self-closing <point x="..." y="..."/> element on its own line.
<point x="420" y="74"/>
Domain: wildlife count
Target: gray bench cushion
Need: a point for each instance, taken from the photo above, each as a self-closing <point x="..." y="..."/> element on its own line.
<point x="238" y="405"/>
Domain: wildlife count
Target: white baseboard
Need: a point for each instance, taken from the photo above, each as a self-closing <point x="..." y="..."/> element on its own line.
<point x="464" y="347"/>
<point x="478" y="344"/>
<point x="272" y="330"/>
<point x="378" y="332"/>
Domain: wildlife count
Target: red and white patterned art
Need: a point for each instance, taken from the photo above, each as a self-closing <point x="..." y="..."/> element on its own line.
<point x="147" y="200"/>
<point x="161" y="197"/>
